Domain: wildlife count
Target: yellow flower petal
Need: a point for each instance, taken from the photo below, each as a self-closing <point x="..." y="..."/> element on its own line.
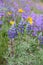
<point x="20" y="10"/>
<point x="31" y="22"/>
<point x="29" y="19"/>
<point x="12" y="22"/>
<point x="9" y="13"/>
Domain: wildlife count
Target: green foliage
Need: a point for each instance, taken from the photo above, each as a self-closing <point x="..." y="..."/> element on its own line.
<point x="28" y="52"/>
<point x="3" y="42"/>
<point x="41" y="0"/>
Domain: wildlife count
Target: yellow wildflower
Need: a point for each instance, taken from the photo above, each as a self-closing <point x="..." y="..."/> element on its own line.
<point x="9" y="13"/>
<point x="20" y="10"/>
<point x="29" y="19"/>
<point x="12" y="22"/>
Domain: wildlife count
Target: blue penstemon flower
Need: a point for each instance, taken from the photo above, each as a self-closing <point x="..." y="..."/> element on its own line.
<point x="12" y="32"/>
<point x="21" y="26"/>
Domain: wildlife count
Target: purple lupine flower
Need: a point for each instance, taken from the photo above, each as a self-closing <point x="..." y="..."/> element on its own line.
<point x="27" y="9"/>
<point x="35" y="29"/>
<point x="24" y="15"/>
<point x="21" y="27"/>
<point x="39" y="7"/>
<point x="40" y="38"/>
<point x="10" y="1"/>
<point x="23" y="22"/>
<point x="12" y="33"/>
<point x="39" y="21"/>
<point x="34" y="33"/>
<point x="1" y="14"/>
<point x="14" y="10"/>
<point x="1" y="1"/>
<point x="33" y="15"/>
<point x="15" y="4"/>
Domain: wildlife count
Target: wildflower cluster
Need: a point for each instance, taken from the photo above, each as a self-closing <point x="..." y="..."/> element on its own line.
<point x="20" y="23"/>
<point x="29" y="21"/>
